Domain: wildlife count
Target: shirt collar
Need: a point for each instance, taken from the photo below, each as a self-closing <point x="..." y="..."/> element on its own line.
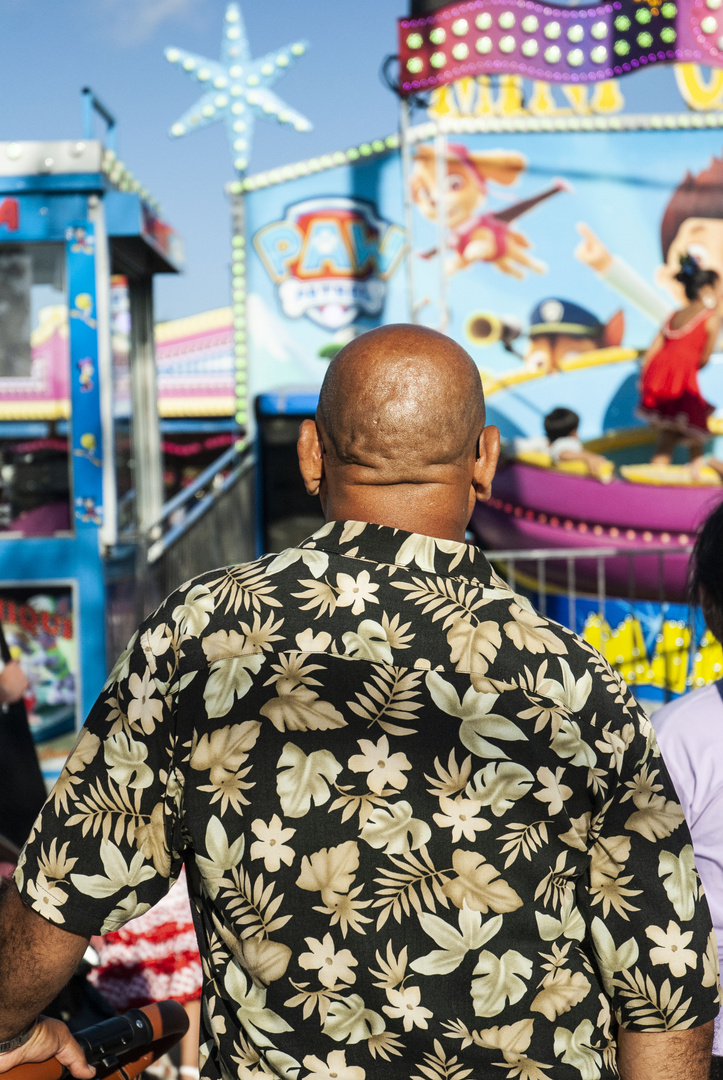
<point x="382" y="544"/>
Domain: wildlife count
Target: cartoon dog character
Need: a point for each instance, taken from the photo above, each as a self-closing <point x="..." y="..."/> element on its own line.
<point x="475" y="237"/>
<point x="560" y="329"/>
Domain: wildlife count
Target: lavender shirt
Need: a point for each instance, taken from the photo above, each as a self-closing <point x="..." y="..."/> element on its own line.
<point x="690" y="734"/>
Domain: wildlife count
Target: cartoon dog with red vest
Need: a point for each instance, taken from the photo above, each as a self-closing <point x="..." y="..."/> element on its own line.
<point x="474" y="236"/>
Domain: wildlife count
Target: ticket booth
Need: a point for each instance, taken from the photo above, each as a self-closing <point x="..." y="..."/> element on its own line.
<point x="80" y="464"/>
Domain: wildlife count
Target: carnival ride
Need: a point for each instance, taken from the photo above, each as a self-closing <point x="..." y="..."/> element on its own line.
<point x="537" y="505"/>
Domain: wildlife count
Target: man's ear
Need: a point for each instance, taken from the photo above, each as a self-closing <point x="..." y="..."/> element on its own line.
<point x="311" y="456"/>
<point x="484" y="467"/>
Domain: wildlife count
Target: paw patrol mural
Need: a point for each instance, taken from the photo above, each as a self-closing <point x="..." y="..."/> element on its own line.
<point x="538" y="224"/>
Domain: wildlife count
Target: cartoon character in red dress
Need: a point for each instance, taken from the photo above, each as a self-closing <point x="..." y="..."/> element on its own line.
<point x="670" y="398"/>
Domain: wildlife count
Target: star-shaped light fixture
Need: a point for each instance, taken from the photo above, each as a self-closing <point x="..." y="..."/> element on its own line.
<point x="237" y="88"/>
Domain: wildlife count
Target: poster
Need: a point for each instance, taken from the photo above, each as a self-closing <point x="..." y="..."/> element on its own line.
<point x="39" y="626"/>
<point x="557" y="242"/>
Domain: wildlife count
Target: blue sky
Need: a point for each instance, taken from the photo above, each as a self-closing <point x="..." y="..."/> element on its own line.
<point x="50" y="49"/>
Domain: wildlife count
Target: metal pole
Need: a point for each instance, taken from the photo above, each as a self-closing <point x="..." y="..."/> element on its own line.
<point x="240" y="330"/>
<point x="541" y="587"/>
<point x="407" y="197"/>
<point x="147" y="454"/>
<point x="108" y="532"/>
<point x="571" y="602"/>
<point x="440" y="162"/>
<point x="91" y="103"/>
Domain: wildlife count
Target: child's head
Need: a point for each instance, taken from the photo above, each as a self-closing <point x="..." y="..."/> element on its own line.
<point x="706" y="585"/>
<point x="694" y="278"/>
<point x="693" y="225"/>
<point x="560" y="423"/>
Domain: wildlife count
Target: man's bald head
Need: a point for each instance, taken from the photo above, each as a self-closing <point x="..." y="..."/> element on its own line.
<point x="401" y="401"/>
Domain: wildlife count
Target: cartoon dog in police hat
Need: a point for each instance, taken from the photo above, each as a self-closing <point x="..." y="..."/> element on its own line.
<point x="560" y="329"/>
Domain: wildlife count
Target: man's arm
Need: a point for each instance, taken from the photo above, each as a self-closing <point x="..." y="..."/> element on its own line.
<point x="36" y="961"/>
<point x="665" y="1055"/>
<point x="13" y="682"/>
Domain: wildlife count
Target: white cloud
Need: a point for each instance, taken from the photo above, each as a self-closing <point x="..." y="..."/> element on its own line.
<point x="131" y="22"/>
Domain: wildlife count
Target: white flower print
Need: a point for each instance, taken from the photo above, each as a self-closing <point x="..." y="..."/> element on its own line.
<point x="460" y="815"/>
<point x="144" y="709"/>
<point x="383" y="768"/>
<point x="332" y="965"/>
<point x="671" y="948"/>
<point x="335" y="1067"/>
<point x="355" y="592"/>
<point x="271" y="845"/>
<point x="405" y="1005"/>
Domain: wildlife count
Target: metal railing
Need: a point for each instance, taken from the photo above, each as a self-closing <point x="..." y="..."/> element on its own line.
<point x="209" y="523"/>
<point x="674" y="656"/>
<point x="570" y="556"/>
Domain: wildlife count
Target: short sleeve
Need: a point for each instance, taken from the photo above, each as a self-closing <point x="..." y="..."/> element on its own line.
<point x="648" y="919"/>
<point x="568" y="444"/>
<point x="106" y="845"/>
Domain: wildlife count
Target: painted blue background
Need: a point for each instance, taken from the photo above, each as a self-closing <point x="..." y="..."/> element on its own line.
<point x="621" y="183"/>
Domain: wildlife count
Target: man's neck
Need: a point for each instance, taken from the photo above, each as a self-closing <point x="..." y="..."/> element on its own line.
<point x="423" y="509"/>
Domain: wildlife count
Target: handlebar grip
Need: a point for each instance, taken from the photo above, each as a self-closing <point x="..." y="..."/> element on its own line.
<point x="121" y="1047"/>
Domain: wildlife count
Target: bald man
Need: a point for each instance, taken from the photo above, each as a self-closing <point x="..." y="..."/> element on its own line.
<point x="427" y="832"/>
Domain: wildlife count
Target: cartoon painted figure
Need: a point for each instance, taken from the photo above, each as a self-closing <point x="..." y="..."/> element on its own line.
<point x="87" y="371"/>
<point x="561" y="329"/>
<point x="88" y="446"/>
<point x="83" y="242"/>
<point x="476" y="237"/>
<point x="83" y="309"/>
<point x="670" y="398"/>
<point x="86" y="511"/>
<point x="692" y="225"/>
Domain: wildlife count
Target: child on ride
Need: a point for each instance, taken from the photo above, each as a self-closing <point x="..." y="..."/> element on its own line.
<point x="670" y="398"/>
<point x="561" y="430"/>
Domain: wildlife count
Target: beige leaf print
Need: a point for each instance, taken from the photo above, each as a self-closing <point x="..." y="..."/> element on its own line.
<point x="266" y="961"/>
<point x="473" y="646"/>
<point x="225" y="750"/>
<point x="330" y="871"/>
<point x="479" y="885"/>
<point x="350" y="1020"/>
<point x="680" y="880"/>
<point x="395" y="829"/>
<point x="301" y="709"/>
<point x="565" y="989"/>
<point x="528" y="631"/>
<point x="301" y="779"/>
<point x="501" y="979"/>
<point x="228" y="680"/>
<point x="500" y="786"/>
<point x="658" y="819"/>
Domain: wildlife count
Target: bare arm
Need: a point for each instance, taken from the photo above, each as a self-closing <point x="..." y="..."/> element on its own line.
<point x="713" y="328"/>
<point x="597" y="465"/>
<point x="13" y="682"/>
<point x="652" y="351"/>
<point x="665" y="1055"/>
<point x="36" y="961"/>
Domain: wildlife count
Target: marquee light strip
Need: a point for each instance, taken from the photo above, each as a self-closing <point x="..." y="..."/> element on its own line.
<point x="123" y="179"/>
<point x="556" y="44"/>
<point x="480" y="125"/>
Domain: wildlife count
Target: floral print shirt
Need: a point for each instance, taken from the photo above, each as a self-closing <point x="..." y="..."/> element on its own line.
<point x="427" y="832"/>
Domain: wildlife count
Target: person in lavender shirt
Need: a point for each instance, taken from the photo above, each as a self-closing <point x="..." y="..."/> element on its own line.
<point x="690" y="735"/>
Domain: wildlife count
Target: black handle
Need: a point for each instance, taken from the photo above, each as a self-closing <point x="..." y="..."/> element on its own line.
<point x="116" y="1036"/>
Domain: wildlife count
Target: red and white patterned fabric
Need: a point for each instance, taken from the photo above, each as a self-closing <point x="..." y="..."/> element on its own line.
<point x="153" y="957"/>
